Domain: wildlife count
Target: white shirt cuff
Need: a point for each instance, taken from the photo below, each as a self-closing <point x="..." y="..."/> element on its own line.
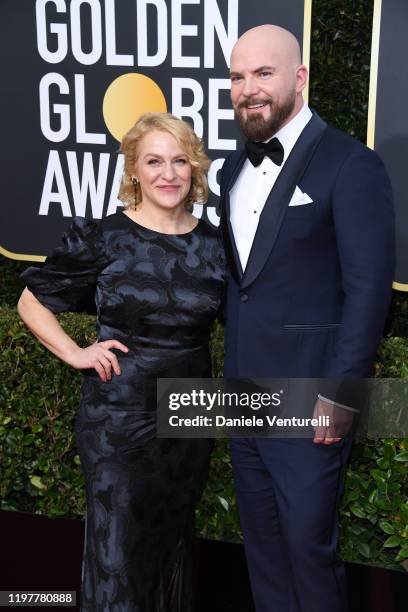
<point x="329" y="401"/>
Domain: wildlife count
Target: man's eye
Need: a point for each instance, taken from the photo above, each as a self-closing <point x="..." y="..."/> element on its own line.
<point x="265" y="75"/>
<point x="235" y="79"/>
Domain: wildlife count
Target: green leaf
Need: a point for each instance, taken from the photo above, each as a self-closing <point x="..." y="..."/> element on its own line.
<point x="373" y="496"/>
<point x="378" y="475"/>
<point x="357" y="511"/>
<point x="37" y="482"/>
<point x="364" y="549"/>
<point x="357" y="528"/>
<point x="403" y="457"/>
<point x="223" y="502"/>
<point x="392" y="542"/>
<point x="386" y="527"/>
<point x="389" y="451"/>
<point x="28" y="439"/>
<point x="403" y="510"/>
<point x="402" y="554"/>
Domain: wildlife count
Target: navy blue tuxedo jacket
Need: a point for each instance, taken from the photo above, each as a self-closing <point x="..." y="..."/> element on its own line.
<point x="316" y="290"/>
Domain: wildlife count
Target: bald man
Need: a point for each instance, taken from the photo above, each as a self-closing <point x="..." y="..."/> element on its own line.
<point x="307" y="221"/>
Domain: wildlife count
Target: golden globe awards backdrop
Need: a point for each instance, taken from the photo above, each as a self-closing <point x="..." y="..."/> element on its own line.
<point x="78" y="73"/>
<point x="388" y="116"/>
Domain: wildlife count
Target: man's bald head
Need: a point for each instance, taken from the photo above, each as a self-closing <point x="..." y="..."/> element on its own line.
<point x="267" y="80"/>
<point x="269" y="37"/>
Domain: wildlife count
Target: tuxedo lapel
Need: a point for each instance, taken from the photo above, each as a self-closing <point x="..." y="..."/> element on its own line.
<point x="230" y="247"/>
<point x="275" y="206"/>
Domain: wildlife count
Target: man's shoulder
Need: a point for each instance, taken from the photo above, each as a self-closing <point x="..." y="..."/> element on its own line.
<point x="347" y="155"/>
<point x="344" y="144"/>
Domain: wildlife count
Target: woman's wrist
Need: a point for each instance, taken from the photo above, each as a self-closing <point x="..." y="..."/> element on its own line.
<point x="70" y="353"/>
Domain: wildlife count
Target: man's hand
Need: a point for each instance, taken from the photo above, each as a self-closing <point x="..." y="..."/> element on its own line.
<point x="339" y="422"/>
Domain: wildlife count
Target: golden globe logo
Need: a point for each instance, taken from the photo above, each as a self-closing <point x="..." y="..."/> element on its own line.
<point x="127" y="98"/>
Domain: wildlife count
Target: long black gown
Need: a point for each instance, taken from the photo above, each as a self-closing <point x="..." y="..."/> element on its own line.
<point x="158" y="294"/>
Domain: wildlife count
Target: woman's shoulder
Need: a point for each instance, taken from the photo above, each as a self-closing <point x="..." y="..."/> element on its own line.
<point x="212" y="238"/>
<point x="117" y="220"/>
<point x="211" y="233"/>
<point x="97" y="229"/>
<point x="80" y="232"/>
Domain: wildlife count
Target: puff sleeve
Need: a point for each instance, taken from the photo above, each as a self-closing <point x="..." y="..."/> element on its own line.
<point x="67" y="281"/>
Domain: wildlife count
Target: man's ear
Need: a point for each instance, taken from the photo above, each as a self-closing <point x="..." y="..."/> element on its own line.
<point x="302" y="74"/>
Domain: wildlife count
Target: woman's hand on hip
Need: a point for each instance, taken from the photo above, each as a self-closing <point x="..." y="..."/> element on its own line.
<point x="99" y="357"/>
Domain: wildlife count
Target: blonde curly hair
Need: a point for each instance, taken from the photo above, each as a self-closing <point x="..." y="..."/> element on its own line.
<point x="193" y="147"/>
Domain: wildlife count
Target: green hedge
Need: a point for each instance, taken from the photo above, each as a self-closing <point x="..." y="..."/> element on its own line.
<point x="38" y="395"/>
<point x="40" y="466"/>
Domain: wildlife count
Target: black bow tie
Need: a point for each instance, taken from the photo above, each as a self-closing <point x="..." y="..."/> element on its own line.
<point x="256" y="151"/>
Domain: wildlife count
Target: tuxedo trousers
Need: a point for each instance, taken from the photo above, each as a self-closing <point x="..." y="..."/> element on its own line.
<point x="288" y="492"/>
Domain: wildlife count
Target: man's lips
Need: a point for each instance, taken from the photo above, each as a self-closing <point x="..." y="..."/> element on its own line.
<point x="256" y="107"/>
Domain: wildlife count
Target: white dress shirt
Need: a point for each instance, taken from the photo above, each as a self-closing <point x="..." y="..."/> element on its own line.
<point x="253" y="185"/>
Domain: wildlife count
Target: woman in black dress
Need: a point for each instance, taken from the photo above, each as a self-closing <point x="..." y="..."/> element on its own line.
<point x="156" y="276"/>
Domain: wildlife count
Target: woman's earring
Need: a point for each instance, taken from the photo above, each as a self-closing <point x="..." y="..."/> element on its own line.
<point x="135" y="184"/>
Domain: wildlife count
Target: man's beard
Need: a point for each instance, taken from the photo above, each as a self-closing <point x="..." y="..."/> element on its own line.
<point x="255" y="127"/>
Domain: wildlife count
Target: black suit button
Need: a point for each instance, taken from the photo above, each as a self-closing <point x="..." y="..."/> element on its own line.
<point x="244" y="297"/>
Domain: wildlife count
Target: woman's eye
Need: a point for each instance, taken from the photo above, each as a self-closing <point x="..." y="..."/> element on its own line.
<point x="181" y="161"/>
<point x="153" y="162"/>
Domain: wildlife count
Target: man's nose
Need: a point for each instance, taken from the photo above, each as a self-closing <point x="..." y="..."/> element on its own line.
<point x="250" y="87"/>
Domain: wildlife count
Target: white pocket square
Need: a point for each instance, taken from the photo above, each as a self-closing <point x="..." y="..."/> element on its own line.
<point x="299" y="198"/>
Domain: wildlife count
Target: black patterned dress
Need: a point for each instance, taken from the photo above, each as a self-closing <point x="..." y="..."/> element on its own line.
<point x="158" y="294"/>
